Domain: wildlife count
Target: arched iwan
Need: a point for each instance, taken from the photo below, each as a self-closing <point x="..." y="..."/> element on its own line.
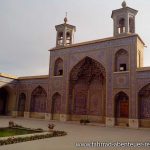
<point x="87" y="92"/>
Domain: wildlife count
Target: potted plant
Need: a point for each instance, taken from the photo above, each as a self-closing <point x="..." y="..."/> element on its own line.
<point x="11" y="124"/>
<point x="84" y="121"/>
<point x="81" y="121"/>
<point x="51" y="126"/>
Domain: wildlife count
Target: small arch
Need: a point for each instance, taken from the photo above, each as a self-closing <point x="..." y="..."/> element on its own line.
<point x="56" y="106"/>
<point x="60" y="38"/>
<point x="38" y="100"/>
<point x="58" y="68"/>
<point x="60" y="35"/>
<point x="21" y="104"/>
<point x="68" y="35"/>
<point x="121" y="26"/>
<point x="121" y="60"/>
<point x="131" y="25"/>
<point x="68" y="38"/>
<point x="121" y="108"/>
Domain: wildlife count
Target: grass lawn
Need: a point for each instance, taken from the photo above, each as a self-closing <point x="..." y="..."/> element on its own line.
<point x="4" y="132"/>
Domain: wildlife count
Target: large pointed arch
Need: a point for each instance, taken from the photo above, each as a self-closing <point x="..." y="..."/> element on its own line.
<point x="87" y="90"/>
<point x="144" y="106"/>
<point x="3" y="101"/>
<point x="7" y="100"/>
<point x="38" y="100"/>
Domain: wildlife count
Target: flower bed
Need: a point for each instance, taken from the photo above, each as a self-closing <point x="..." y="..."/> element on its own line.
<point x="28" y="134"/>
<point x="12" y="140"/>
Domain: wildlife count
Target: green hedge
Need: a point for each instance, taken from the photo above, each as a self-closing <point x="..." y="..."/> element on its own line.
<point x="12" y="140"/>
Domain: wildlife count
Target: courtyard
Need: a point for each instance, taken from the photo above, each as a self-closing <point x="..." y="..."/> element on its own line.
<point x="77" y="134"/>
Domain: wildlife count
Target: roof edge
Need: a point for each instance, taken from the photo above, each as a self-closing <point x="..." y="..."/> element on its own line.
<point x="8" y="76"/>
<point x="120" y="9"/>
<point x="97" y="41"/>
<point x="143" y="69"/>
<point x="33" y="77"/>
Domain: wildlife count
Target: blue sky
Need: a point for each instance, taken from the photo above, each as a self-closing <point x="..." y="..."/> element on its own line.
<point x="27" y="29"/>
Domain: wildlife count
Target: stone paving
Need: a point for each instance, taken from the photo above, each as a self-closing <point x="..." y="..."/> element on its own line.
<point x="77" y="133"/>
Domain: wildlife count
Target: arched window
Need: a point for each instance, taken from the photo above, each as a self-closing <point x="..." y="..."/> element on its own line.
<point x="121" y="26"/>
<point x="121" y="60"/>
<point x="58" y="68"/>
<point x="38" y="100"/>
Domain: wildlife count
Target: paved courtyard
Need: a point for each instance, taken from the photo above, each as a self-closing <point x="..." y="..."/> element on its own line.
<point x="77" y="133"/>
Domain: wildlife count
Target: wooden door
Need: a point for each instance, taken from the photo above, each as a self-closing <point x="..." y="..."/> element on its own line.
<point x="124" y="108"/>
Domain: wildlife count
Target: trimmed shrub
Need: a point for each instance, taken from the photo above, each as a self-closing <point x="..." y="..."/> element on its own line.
<point x="12" y="140"/>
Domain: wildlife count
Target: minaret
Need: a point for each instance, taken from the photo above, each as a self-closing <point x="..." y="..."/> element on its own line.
<point x="124" y="20"/>
<point x="65" y="34"/>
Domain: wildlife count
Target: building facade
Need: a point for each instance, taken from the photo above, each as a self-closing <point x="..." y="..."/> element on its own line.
<point x="103" y="80"/>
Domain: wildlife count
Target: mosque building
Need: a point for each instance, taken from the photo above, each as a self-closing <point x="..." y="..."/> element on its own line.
<point x="103" y="80"/>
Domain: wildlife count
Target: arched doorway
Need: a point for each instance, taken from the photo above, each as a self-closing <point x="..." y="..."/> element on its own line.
<point x="87" y="91"/>
<point x="21" y="104"/>
<point x="56" y="106"/>
<point x="3" y="101"/>
<point x="38" y="103"/>
<point x="122" y="109"/>
<point x="7" y="100"/>
<point x="144" y="106"/>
